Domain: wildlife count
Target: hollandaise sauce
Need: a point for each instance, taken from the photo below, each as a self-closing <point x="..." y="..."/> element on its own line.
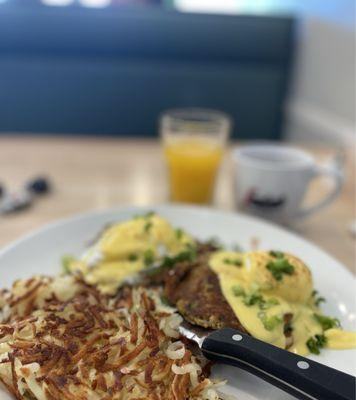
<point x="126" y="248"/>
<point x="271" y="293"/>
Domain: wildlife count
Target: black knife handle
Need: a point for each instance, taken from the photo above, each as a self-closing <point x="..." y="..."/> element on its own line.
<point x="296" y="375"/>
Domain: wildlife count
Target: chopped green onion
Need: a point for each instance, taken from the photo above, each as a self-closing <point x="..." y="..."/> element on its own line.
<point x="133" y="257"/>
<point x="327" y="322"/>
<point x="230" y="261"/>
<point x="147" y="227"/>
<point x="266" y="304"/>
<point x="169" y="262"/>
<point x="315" y="343"/>
<point x="317" y="299"/>
<point x="252" y="299"/>
<point x="279" y="267"/>
<point x="273" y="301"/>
<point x="187" y="255"/>
<point x="276" y="254"/>
<point x="179" y="233"/>
<point x="269" y="322"/>
<point x="148" y="214"/>
<point x="148" y="257"/>
<point x="238" y="290"/>
<point x="66" y="261"/>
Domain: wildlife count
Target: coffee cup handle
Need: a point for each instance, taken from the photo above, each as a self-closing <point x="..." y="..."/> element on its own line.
<point x="335" y="173"/>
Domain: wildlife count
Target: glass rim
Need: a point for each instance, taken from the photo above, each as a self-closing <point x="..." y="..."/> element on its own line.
<point x="211" y="115"/>
<point x="202" y="119"/>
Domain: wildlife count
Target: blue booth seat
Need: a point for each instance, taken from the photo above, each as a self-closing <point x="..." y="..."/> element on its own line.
<point x="113" y="71"/>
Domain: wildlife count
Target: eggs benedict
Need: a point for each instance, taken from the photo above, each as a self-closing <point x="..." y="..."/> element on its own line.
<point x="271" y="294"/>
<point x="127" y="247"/>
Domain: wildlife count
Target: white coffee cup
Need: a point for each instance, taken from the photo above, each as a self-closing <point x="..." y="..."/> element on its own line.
<point x="271" y="181"/>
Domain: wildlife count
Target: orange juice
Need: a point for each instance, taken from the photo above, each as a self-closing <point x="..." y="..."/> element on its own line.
<point x="193" y="164"/>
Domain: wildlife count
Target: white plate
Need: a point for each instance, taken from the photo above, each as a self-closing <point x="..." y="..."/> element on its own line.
<point x="41" y="251"/>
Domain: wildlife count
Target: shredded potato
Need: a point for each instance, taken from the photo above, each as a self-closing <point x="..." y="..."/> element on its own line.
<point x="62" y="339"/>
<point x="176" y="350"/>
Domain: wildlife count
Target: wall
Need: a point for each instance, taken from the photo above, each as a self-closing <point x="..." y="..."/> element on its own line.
<point x="322" y="104"/>
<point x="322" y="101"/>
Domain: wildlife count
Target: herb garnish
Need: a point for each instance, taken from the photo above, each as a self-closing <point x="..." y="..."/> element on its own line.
<point x="66" y="261"/>
<point x="269" y="322"/>
<point x="317" y="299"/>
<point x="148" y="214"/>
<point x="253" y="298"/>
<point x="276" y="254"/>
<point x="315" y="343"/>
<point x="280" y="266"/>
<point x="168" y="262"/>
<point x="266" y="304"/>
<point x="238" y="290"/>
<point x="327" y="322"/>
<point x="256" y="298"/>
<point x="147" y="227"/>
<point x="133" y="257"/>
<point x="237" y="262"/>
<point x="148" y="257"/>
<point x="187" y="255"/>
<point x="179" y="233"/>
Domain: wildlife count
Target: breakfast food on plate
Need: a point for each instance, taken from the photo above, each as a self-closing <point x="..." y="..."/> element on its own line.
<point x="108" y="328"/>
<point x="268" y="294"/>
<point x="272" y="295"/>
<point x="128" y="247"/>
<point x="194" y="289"/>
<point x="60" y="338"/>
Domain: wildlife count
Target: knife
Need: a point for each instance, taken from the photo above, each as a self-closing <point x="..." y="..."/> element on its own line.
<point x="299" y="376"/>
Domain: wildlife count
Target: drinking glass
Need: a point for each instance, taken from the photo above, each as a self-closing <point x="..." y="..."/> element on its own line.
<point x="193" y="141"/>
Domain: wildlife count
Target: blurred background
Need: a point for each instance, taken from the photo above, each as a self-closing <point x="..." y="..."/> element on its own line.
<point x="83" y="83"/>
<point x="280" y="68"/>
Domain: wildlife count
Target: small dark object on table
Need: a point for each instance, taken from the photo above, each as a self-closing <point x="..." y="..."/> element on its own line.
<point x="38" y="185"/>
